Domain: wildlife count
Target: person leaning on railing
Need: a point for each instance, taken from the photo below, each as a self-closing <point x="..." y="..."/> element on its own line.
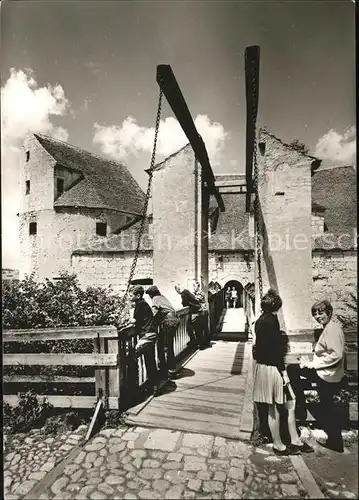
<point x="197" y="292"/>
<point x="326" y="369"/>
<point x="166" y="320"/>
<point x="195" y="321"/>
<point x="144" y="324"/>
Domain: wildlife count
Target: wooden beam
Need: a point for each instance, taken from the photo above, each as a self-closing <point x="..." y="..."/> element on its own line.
<point x="46" y="379"/>
<point x="170" y="88"/>
<point x="60" y="359"/>
<point x="60" y="333"/>
<point x="252" y="89"/>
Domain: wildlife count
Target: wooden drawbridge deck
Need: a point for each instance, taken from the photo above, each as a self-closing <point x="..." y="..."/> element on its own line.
<point x="211" y="396"/>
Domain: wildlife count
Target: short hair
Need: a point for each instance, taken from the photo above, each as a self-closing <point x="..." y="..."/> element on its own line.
<point x="138" y="290"/>
<point x="322" y="305"/>
<point x="271" y="302"/>
<point x="153" y="291"/>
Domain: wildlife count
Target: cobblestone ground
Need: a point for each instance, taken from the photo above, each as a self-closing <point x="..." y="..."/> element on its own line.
<point x="31" y="456"/>
<point x="156" y="463"/>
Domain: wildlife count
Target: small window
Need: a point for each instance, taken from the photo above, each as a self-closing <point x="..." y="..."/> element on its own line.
<point x="60" y="186"/>
<point x="33" y="228"/>
<point x="27" y="187"/>
<point x="101" y="228"/>
<point x="27" y="155"/>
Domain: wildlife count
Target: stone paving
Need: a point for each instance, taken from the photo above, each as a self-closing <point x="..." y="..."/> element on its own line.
<point x="31" y="456"/>
<point x="133" y="463"/>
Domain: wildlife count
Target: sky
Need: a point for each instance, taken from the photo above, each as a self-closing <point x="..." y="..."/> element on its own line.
<point x="85" y="72"/>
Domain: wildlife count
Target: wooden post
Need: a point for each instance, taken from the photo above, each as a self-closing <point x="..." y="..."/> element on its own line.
<point x="170" y="88"/>
<point x="114" y="372"/>
<point x="101" y="378"/>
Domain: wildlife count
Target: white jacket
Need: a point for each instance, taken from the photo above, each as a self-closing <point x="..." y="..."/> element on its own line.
<point x="329" y="353"/>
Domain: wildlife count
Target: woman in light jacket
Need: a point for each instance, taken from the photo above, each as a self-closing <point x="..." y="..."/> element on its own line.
<point x="326" y="369"/>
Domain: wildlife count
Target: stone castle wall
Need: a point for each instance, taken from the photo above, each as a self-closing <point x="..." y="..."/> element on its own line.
<point x="334" y="273"/>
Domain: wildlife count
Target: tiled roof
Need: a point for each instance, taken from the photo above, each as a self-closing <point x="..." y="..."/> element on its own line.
<point x="104" y="183"/>
<point x="335" y="189"/>
<point x="346" y="240"/>
<point x="232" y="227"/>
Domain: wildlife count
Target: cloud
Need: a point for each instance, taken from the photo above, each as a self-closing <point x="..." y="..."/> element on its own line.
<point x="25" y="107"/>
<point x="131" y="138"/>
<point x="339" y="148"/>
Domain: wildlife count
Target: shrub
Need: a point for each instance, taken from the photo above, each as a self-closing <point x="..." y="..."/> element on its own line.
<point x="348" y="315"/>
<point x="29" y="412"/>
<point x="30" y="304"/>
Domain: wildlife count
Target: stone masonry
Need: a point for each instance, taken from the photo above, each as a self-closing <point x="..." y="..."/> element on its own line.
<point x="285" y="205"/>
<point x="179" y="216"/>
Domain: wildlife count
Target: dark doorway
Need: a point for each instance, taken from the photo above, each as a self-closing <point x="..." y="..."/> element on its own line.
<point x="233" y="294"/>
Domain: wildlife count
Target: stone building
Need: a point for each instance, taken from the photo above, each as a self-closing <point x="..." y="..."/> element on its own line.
<point x="81" y="213"/>
<point x="69" y="196"/>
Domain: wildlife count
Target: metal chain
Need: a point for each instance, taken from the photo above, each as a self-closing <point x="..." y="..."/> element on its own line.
<point x="147" y="197"/>
<point x="256" y="195"/>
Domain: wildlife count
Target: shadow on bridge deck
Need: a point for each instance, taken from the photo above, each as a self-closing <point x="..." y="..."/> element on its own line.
<point x="209" y="396"/>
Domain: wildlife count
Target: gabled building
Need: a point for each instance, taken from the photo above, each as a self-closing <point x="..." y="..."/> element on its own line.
<point x="81" y="213"/>
<point x="68" y="197"/>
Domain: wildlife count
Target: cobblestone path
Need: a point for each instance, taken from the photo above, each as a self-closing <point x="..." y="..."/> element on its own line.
<point x="158" y="463"/>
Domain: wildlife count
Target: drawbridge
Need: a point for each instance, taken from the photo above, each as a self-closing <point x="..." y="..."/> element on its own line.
<point x="212" y="392"/>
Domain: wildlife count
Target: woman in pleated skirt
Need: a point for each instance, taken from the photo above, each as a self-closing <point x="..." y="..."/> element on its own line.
<point x="271" y="383"/>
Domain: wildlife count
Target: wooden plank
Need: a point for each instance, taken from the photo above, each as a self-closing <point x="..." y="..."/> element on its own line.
<point x="350" y="334"/>
<point x="58" y="379"/>
<point x="252" y="87"/>
<point x="351" y="358"/>
<point x="186" y="425"/>
<point x="65" y="401"/>
<point x="199" y="413"/>
<point x="101" y="387"/>
<point x="353" y="413"/>
<point x="169" y="86"/>
<point x="114" y="372"/>
<point x="196" y="400"/>
<point x="247" y="412"/>
<point x="40" y="334"/>
<point x="60" y="359"/>
<point x="306" y="477"/>
<point x="94" y="418"/>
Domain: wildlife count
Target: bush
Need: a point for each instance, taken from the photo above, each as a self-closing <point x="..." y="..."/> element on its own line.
<point x="29" y="412"/>
<point x="348" y="315"/>
<point x="30" y="304"/>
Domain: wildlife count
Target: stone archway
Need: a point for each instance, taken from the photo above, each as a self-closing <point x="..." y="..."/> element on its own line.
<point x="235" y="300"/>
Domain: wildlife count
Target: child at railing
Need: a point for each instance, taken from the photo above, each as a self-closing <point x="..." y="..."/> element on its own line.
<point x="145" y="327"/>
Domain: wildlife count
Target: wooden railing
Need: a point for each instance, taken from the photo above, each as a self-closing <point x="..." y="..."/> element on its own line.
<point x="134" y="374"/>
<point x="104" y="360"/>
<point x="116" y="373"/>
<point x="302" y="345"/>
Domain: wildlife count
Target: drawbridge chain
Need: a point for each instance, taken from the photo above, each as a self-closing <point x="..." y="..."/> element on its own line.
<point x="257" y="214"/>
<point x="145" y="207"/>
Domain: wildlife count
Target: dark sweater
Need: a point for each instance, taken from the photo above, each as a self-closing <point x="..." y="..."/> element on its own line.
<point x="269" y="348"/>
<point x="144" y="317"/>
